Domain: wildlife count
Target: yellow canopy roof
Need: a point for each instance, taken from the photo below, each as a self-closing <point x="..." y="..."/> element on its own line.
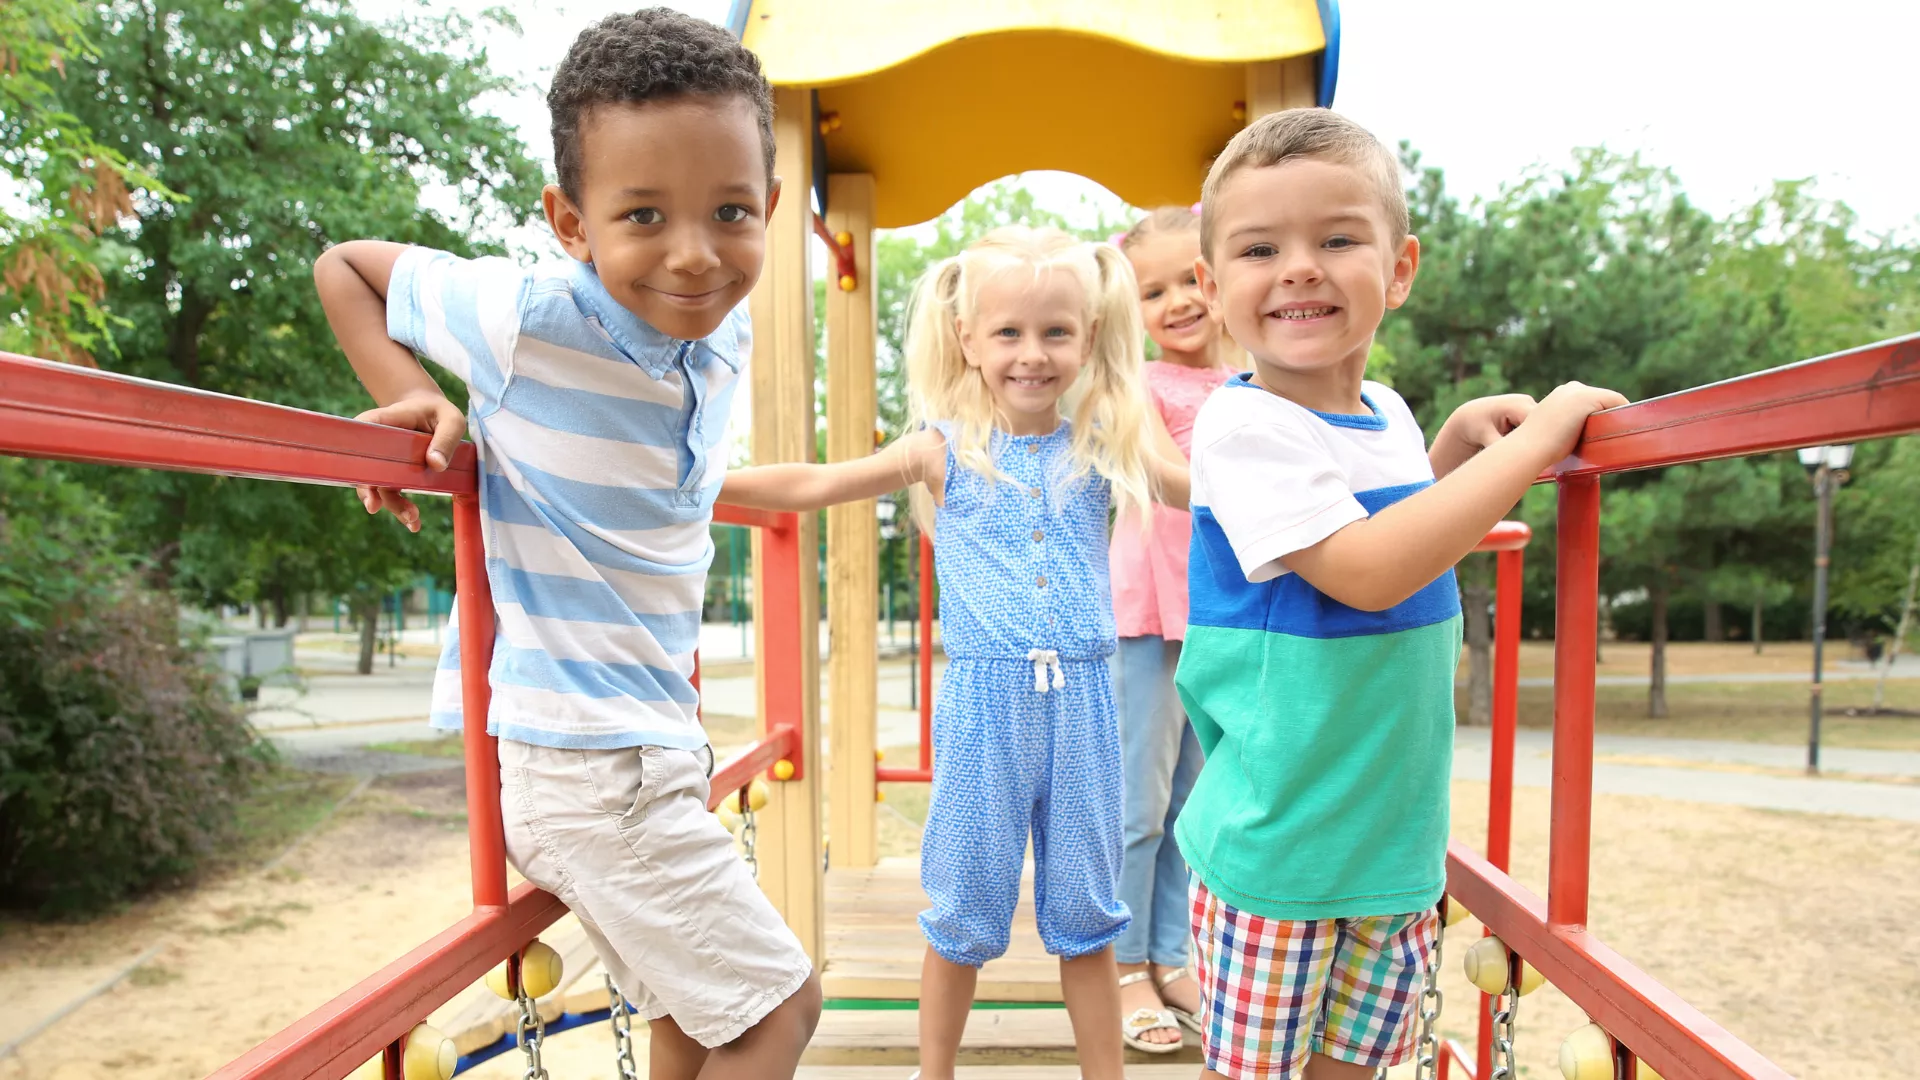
<point x="936" y="97"/>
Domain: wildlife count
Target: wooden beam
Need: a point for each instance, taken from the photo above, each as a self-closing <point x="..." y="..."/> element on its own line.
<point x="1273" y="85"/>
<point x="782" y="379"/>
<point x="853" y="551"/>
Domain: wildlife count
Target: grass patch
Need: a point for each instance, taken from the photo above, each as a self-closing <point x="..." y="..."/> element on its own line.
<point x="440" y="746"/>
<point x="153" y="975"/>
<point x="1743" y="712"/>
<point x="289" y="803"/>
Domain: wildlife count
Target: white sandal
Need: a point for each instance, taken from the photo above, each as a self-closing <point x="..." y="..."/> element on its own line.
<point x="1143" y="1020"/>
<point x="1188" y="1020"/>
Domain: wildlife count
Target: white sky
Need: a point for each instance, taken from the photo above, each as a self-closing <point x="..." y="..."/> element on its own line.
<point x="1732" y="94"/>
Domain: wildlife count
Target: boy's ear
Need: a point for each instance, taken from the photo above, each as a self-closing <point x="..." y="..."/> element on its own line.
<point x="773" y="199"/>
<point x="1405" y="266"/>
<point x="566" y="221"/>
<point x="1209" y="289"/>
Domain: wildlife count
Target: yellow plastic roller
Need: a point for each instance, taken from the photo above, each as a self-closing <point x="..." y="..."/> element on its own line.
<point x="757" y="791"/>
<point x="1457" y="911"/>
<point x="540" y="971"/>
<point x="1645" y="1072"/>
<point x="729" y="818"/>
<point x="1587" y="1054"/>
<point x="1486" y="965"/>
<point x="429" y="1055"/>
<point x="756" y="798"/>
<point x="1487" y="968"/>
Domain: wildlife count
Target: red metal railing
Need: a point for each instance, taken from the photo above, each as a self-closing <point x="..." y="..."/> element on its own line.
<point x="61" y="412"/>
<point x="1866" y="393"/>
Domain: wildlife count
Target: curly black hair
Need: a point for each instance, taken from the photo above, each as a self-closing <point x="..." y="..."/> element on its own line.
<point x="652" y="55"/>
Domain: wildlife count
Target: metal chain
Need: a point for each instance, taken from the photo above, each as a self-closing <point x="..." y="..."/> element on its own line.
<point x="749" y="833"/>
<point x="620" y="1017"/>
<point x="1505" y="1006"/>
<point x="533" y="1031"/>
<point x="1427" y="1059"/>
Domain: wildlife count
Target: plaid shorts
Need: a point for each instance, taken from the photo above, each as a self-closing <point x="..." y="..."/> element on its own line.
<point x="1274" y="991"/>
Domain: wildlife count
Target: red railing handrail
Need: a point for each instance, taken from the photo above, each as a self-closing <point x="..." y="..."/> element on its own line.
<point x="1850" y="396"/>
<point x="68" y="413"/>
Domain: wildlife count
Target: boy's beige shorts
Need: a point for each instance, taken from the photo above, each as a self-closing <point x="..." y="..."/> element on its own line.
<point x="625" y="840"/>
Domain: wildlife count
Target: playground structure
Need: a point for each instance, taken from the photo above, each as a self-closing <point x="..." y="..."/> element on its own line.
<point x="56" y="411"/>
<point x="869" y="113"/>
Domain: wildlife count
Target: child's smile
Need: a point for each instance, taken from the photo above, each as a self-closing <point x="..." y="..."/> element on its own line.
<point x="672" y="211"/>
<point x="1304" y="264"/>
<point x="1028" y="339"/>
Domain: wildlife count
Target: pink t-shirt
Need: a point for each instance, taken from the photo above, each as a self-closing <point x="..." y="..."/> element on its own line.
<point x="1149" y="569"/>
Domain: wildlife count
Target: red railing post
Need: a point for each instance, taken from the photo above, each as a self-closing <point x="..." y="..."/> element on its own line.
<point x="1576" y="626"/>
<point x="486" y="839"/>
<point x="1506" y="703"/>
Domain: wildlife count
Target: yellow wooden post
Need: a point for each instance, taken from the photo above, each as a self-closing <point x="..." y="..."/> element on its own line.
<point x="852" y="546"/>
<point x="1273" y="85"/>
<point x="782" y="379"/>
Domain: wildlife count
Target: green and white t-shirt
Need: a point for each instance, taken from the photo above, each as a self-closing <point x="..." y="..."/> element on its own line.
<point x="1328" y="731"/>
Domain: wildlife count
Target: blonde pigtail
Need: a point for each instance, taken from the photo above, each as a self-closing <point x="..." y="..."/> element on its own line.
<point x="1110" y="421"/>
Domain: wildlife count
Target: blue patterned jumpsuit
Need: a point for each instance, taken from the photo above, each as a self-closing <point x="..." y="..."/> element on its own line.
<point x="1024" y="729"/>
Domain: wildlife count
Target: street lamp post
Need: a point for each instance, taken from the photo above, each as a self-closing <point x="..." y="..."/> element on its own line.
<point x="1827" y="465"/>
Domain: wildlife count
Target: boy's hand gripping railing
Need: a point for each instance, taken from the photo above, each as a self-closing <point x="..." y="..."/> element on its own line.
<point x="1866" y="393"/>
<point x="60" y="412"/>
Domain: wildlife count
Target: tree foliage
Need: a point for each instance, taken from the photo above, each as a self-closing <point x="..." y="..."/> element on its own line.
<point x="71" y="185"/>
<point x="1606" y="273"/>
<point x="283" y="126"/>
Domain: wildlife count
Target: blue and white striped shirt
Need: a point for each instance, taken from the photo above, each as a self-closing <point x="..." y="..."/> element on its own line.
<point x="601" y="456"/>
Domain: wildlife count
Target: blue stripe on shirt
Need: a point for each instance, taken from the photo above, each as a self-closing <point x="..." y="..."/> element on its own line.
<point x="601" y="416"/>
<point x="552" y="596"/>
<point x="573" y="507"/>
<point x="536" y="670"/>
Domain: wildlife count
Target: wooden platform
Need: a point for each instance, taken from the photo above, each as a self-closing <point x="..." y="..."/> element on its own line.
<point x="874" y="951"/>
<point x="874" y="947"/>
<point x="1024" y="1038"/>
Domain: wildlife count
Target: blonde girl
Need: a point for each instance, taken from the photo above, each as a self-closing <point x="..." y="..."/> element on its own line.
<point x="1161" y="754"/>
<point x="1023" y="369"/>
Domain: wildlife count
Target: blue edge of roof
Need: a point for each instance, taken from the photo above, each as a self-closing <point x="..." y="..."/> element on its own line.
<point x="1326" y="65"/>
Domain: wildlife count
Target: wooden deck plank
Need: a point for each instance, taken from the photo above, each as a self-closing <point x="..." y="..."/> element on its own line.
<point x="994" y="1037"/>
<point x="989" y="1073"/>
<point x="874" y="947"/>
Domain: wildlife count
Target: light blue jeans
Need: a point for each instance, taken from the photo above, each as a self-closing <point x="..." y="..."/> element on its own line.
<point x="1161" y="758"/>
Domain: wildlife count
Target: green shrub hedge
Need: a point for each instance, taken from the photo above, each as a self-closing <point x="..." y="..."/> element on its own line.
<point x="121" y="759"/>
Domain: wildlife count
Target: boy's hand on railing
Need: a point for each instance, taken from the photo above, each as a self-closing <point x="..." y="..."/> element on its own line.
<point x="1475" y="426"/>
<point x="1560" y="418"/>
<point x="432" y="414"/>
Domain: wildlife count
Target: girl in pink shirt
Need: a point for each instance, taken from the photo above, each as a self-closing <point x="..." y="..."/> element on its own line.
<point x="1149" y="573"/>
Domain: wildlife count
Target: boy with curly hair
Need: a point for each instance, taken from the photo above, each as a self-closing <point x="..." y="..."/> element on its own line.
<point x="599" y="392"/>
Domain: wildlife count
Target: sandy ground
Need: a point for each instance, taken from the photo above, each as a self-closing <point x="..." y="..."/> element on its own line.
<point x="1790" y="930"/>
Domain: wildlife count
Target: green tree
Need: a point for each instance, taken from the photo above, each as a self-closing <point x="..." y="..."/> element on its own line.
<point x="72" y="187"/>
<point x="285" y="126"/>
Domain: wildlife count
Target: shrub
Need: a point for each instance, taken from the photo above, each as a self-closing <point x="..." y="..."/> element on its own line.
<point x="121" y="759"/>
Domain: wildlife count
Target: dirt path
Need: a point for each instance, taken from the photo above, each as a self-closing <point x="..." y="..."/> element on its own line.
<point x="244" y="957"/>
